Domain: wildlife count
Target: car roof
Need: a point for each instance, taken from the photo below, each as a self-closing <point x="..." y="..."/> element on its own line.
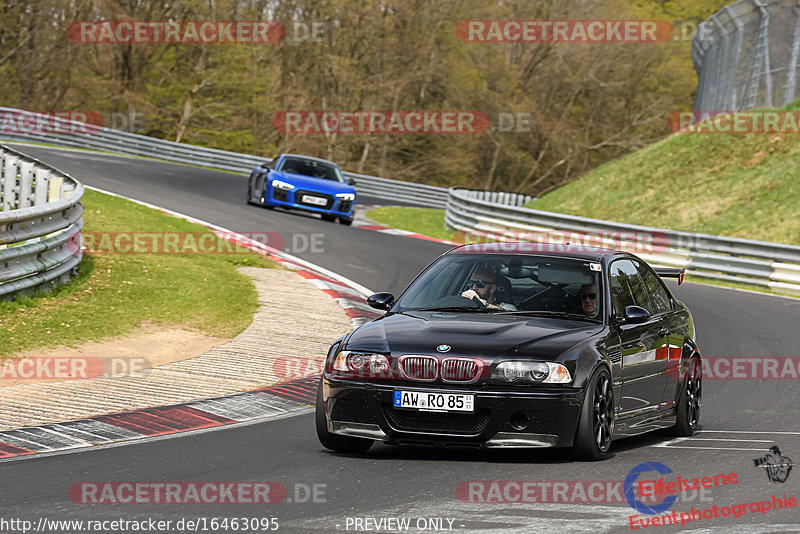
<point x="579" y="252"/>
<point x="307" y="157"/>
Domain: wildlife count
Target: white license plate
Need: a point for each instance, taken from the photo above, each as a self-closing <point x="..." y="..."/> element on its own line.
<point x="438" y="402"/>
<point x="318" y="201"/>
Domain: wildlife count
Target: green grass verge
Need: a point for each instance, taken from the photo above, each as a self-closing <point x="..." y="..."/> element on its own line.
<point x="115" y="293"/>
<point x="425" y="221"/>
<point x="739" y="185"/>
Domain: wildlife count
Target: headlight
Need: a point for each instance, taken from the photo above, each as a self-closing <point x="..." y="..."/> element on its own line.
<point x="532" y="372"/>
<point x="346" y="196"/>
<point x="362" y="364"/>
<point x="282" y="185"/>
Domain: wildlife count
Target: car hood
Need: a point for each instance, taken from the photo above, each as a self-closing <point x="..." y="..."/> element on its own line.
<point x="471" y="334"/>
<point x="315" y="184"/>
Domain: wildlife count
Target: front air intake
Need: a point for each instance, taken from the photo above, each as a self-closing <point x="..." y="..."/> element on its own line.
<point x="421" y="368"/>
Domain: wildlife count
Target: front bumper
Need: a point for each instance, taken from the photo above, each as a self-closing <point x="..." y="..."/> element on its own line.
<point x="292" y="199"/>
<point x="525" y="417"/>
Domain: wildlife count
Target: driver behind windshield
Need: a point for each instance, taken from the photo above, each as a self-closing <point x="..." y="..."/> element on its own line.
<point x="482" y="285"/>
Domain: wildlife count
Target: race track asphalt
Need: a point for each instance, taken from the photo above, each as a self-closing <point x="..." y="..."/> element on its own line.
<point x="740" y="418"/>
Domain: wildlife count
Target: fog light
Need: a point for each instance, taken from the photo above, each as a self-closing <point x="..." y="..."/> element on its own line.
<point x="519" y="421"/>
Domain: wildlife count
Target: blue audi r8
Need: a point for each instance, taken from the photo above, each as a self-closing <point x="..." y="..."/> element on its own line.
<point x="305" y="183"/>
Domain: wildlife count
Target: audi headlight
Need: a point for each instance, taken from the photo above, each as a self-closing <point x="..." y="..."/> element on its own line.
<point x="362" y="364"/>
<point x="282" y="185"/>
<point x="532" y="372"/>
<point x="346" y="196"/>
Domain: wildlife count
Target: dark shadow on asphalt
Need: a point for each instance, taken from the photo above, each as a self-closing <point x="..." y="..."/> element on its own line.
<point x="380" y="451"/>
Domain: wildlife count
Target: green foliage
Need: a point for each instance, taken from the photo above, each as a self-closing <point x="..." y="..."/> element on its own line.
<point x="590" y="102"/>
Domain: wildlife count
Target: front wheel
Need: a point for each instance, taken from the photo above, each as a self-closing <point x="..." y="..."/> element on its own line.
<point x="687" y="411"/>
<point x="596" y="424"/>
<point x="335" y="442"/>
<point x="346" y="222"/>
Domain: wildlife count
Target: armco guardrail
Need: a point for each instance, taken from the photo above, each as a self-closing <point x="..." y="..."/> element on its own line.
<point x="71" y="134"/>
<point x="706" y="256"/>
<point x="40" y="224"/>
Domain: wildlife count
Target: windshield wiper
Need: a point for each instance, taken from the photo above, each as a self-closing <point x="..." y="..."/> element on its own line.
<point x="454" y="308"/>
<point x="550" y="313"/>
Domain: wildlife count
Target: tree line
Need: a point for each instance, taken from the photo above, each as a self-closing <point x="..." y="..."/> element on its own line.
<point x="557" y="109"/>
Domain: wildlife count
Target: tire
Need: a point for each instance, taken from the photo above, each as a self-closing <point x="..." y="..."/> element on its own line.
<point x="326" y="217"/>
<point x="335" y="442"/>
<point x="346" y="222"/>
<point x="687" y="411"/>
<point x="596" y="424"/>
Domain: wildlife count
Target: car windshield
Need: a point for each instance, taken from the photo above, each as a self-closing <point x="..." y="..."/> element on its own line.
<point x="527" y="285"/>
<point x="313" y="168"/>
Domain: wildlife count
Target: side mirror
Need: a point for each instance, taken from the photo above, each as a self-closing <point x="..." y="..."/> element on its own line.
<point x="635" y="315"/>
<point x="381" y="301"/>
<point x="350" y="181"/>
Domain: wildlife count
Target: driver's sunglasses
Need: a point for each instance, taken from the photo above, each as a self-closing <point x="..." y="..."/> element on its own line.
<point x="480" y="284"/>
<point x="590" y="296"/>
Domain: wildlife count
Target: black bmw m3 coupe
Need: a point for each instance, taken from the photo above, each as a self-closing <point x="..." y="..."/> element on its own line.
<point x="507" y="345"/>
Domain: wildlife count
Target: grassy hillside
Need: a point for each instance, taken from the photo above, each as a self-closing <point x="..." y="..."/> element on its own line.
<point x="741" y="185"/>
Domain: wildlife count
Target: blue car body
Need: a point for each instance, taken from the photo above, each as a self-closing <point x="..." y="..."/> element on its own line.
<point x="305" y="183"/>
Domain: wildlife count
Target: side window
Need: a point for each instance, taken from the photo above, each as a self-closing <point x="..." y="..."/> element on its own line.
<point x="627" y="288"/>
<point x="658" y="295"/>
